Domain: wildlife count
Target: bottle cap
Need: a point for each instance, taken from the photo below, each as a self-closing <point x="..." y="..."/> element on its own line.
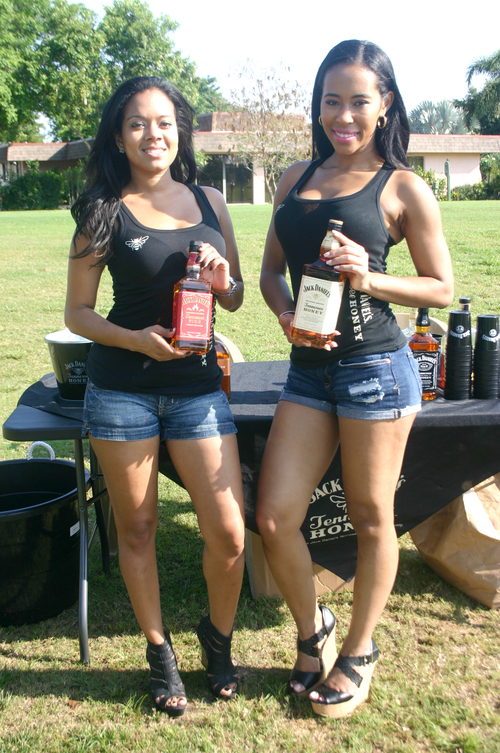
<point x="335" y="225"/>
<point x="194" y="246"/>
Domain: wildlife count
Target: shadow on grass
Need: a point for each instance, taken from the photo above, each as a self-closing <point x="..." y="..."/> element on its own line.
<point x="416" y="578"/>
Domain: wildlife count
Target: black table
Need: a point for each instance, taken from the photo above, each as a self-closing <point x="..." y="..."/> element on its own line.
<point x="452" y="447"/>
<point x="42" y="415"/>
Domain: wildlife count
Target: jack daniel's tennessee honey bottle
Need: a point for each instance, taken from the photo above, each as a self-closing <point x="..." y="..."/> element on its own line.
<point x="320" y="294"/>
<point x="192" y="312"/>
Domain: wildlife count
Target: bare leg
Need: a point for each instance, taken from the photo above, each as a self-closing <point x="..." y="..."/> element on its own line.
<point x="301" y="445"/>
<point x="372" y="455"/>
<point x="131" y="473"/>
<point x="210" y="471"/>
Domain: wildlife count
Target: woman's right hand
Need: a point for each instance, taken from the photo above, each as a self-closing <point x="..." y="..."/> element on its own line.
<point x="152" y="341"/>
<point x="286" y="321"/>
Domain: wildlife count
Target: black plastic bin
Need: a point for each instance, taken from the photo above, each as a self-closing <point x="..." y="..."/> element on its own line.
<point x="39" y="539"/>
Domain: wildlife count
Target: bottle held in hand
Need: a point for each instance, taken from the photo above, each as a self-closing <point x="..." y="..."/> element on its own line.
<point x="224" y="362"/>
<point x="192" y="312"/>
<point x="320" y="295"/>
<point x="425" y="350"/>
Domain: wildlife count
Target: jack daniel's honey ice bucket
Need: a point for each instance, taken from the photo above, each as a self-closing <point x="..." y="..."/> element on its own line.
<point x="69" y="356"/>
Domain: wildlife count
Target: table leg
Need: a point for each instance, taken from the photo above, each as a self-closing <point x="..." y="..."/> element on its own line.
<point x="83" y="592"/>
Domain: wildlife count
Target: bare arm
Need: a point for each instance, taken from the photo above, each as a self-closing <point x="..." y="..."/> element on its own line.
<point x="418" y="219"/>
<point x="230" y="266"/>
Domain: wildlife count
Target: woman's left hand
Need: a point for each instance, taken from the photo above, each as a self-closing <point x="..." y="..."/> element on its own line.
<point x="351" y="259"/>
<point x="214" y="268"/>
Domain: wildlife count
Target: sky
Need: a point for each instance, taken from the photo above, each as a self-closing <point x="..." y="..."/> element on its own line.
<point x="430" y="43"/>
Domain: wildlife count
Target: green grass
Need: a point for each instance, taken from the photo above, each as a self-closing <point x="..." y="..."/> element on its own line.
<point x="437" y="686"/>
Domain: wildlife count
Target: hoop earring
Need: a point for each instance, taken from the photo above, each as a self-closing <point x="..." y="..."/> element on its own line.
<point x="320" y="121"/>
<point x="382" y="122"/>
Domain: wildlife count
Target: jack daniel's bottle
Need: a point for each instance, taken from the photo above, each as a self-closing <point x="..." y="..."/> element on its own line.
<point x="192" y="312"/>
<point x="320" y="295"/>
<point x="425" y="351"/>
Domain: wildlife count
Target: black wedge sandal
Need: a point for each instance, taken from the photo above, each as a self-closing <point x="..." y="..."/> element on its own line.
<point x="326" y="655"/>
<point x="336" y="703"/>
<point x="216" y="658"/>
<point x="165" y="682"/>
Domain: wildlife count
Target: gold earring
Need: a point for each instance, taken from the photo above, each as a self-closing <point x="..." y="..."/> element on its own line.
<point x="382" y="122"/>
<point x="320" y="121"/>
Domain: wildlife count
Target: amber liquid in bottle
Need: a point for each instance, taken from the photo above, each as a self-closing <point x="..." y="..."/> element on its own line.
<point x="224" y="362"/>
<point x="425" y="351"/>
<point x="320" y="295"/>
<point x="192" y="311"/>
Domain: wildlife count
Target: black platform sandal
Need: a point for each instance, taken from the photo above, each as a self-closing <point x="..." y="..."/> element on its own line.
<point x="336" y="703"/>
<point x="165" y="682"/>
<point x="216" y="658"/>
<point x="326" y="655"/>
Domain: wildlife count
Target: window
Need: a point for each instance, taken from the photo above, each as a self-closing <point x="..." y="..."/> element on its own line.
<point x="416" y="162"/>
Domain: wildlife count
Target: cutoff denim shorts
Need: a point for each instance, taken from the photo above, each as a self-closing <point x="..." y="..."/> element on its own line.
<point x="129" y="416"/>
<point x="376" y="387"/>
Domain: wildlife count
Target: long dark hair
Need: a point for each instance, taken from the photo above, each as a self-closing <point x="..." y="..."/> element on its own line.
<point x="391" y="141"/>
<point x="108" y="171"/>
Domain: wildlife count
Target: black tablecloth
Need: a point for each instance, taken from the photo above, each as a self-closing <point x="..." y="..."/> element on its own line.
<point x="453" y="445"/>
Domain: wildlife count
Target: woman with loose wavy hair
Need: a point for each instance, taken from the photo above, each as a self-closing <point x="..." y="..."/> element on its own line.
<point x="356" y="386"/>
<point x="137" y="216"/>
<point x="108" y="170"/>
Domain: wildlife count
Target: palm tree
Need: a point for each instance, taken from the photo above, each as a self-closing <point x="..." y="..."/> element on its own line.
<point x="442" y="117"/>
<point x="483" y="105"/>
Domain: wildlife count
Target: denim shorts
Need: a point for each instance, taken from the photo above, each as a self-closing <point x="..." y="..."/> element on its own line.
<point x="129" y="416"/>
<point x="376" y="387"/>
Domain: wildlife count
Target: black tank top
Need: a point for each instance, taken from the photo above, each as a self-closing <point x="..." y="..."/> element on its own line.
<point x="145" y="265"/>
<point x="367" y="325"/>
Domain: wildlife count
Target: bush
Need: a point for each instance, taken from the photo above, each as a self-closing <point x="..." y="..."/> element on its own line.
<point x="475" y="192"/>
<point x="33" y="190"/>
<point x="430" y="178"/>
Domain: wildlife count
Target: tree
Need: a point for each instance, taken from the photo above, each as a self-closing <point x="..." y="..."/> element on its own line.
<point x="270" y="122"/>
<point x="59" y="60"/>
<point x="483" y="105"/>
<point x="73" y="73"/>
<point x="22" y="24"/>
<point x="442" y="117"/>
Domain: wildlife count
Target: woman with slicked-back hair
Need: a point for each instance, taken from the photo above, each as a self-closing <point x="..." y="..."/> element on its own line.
<point x="360" y="389"/>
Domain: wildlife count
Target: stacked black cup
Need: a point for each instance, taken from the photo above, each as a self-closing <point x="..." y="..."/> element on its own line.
<point x="457" y="385"/>
<point x="486" y="357"/>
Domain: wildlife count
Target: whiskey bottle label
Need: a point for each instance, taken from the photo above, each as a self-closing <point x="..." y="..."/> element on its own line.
<point x="194" y="315"/>
<point x="427" y="361"/>
<point x="318" y="305"/>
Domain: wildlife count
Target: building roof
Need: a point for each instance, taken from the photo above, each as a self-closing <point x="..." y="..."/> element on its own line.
<point x="428" y="143"/>
<point x="53" y="152"/>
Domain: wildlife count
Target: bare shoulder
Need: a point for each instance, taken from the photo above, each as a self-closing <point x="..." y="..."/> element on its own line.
<point x="215" y="197"/>
<point x="289" y="178"/>
<point x="410" y="187"/>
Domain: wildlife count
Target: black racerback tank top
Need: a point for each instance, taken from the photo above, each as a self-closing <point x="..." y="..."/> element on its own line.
<point x="367" y="325"/>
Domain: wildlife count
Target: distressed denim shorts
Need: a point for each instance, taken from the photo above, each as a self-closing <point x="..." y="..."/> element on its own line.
<point x="376" y="387"/>
<point x="129" y="416"/>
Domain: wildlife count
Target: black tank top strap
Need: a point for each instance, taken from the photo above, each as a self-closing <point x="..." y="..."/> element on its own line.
<point x="306" y="175"/>
<point x="203" y="201"/>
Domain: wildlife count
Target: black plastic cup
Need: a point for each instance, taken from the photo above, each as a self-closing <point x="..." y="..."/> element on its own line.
<point x="458" y="356"/>
<point x="487" y="357"/>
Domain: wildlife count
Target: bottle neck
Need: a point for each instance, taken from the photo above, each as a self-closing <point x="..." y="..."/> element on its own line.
<point x="422" y="330"/>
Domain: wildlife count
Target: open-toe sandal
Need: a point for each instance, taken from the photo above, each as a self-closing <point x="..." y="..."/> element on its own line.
<point x="337" y="703"/>
<point x="165" y="682"/>
<point x="326" y="655"/>
<point x="216" y="658"/>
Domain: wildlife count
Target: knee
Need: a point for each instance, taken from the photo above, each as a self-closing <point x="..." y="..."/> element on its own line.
<point x="370" y="522"/>
<point x="137" y="535"/>
<point x="227" y="543"/>
<point x="272" y="527"/>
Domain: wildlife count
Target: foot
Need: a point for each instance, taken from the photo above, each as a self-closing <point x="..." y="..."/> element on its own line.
<point x="165" y="682"/>
<point x="216" y="658"/>
<point x="347" y="685"/>
<point x="314" y="661"/>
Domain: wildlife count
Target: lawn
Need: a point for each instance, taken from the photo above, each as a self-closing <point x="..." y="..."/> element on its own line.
<point x="437" y="686"/>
